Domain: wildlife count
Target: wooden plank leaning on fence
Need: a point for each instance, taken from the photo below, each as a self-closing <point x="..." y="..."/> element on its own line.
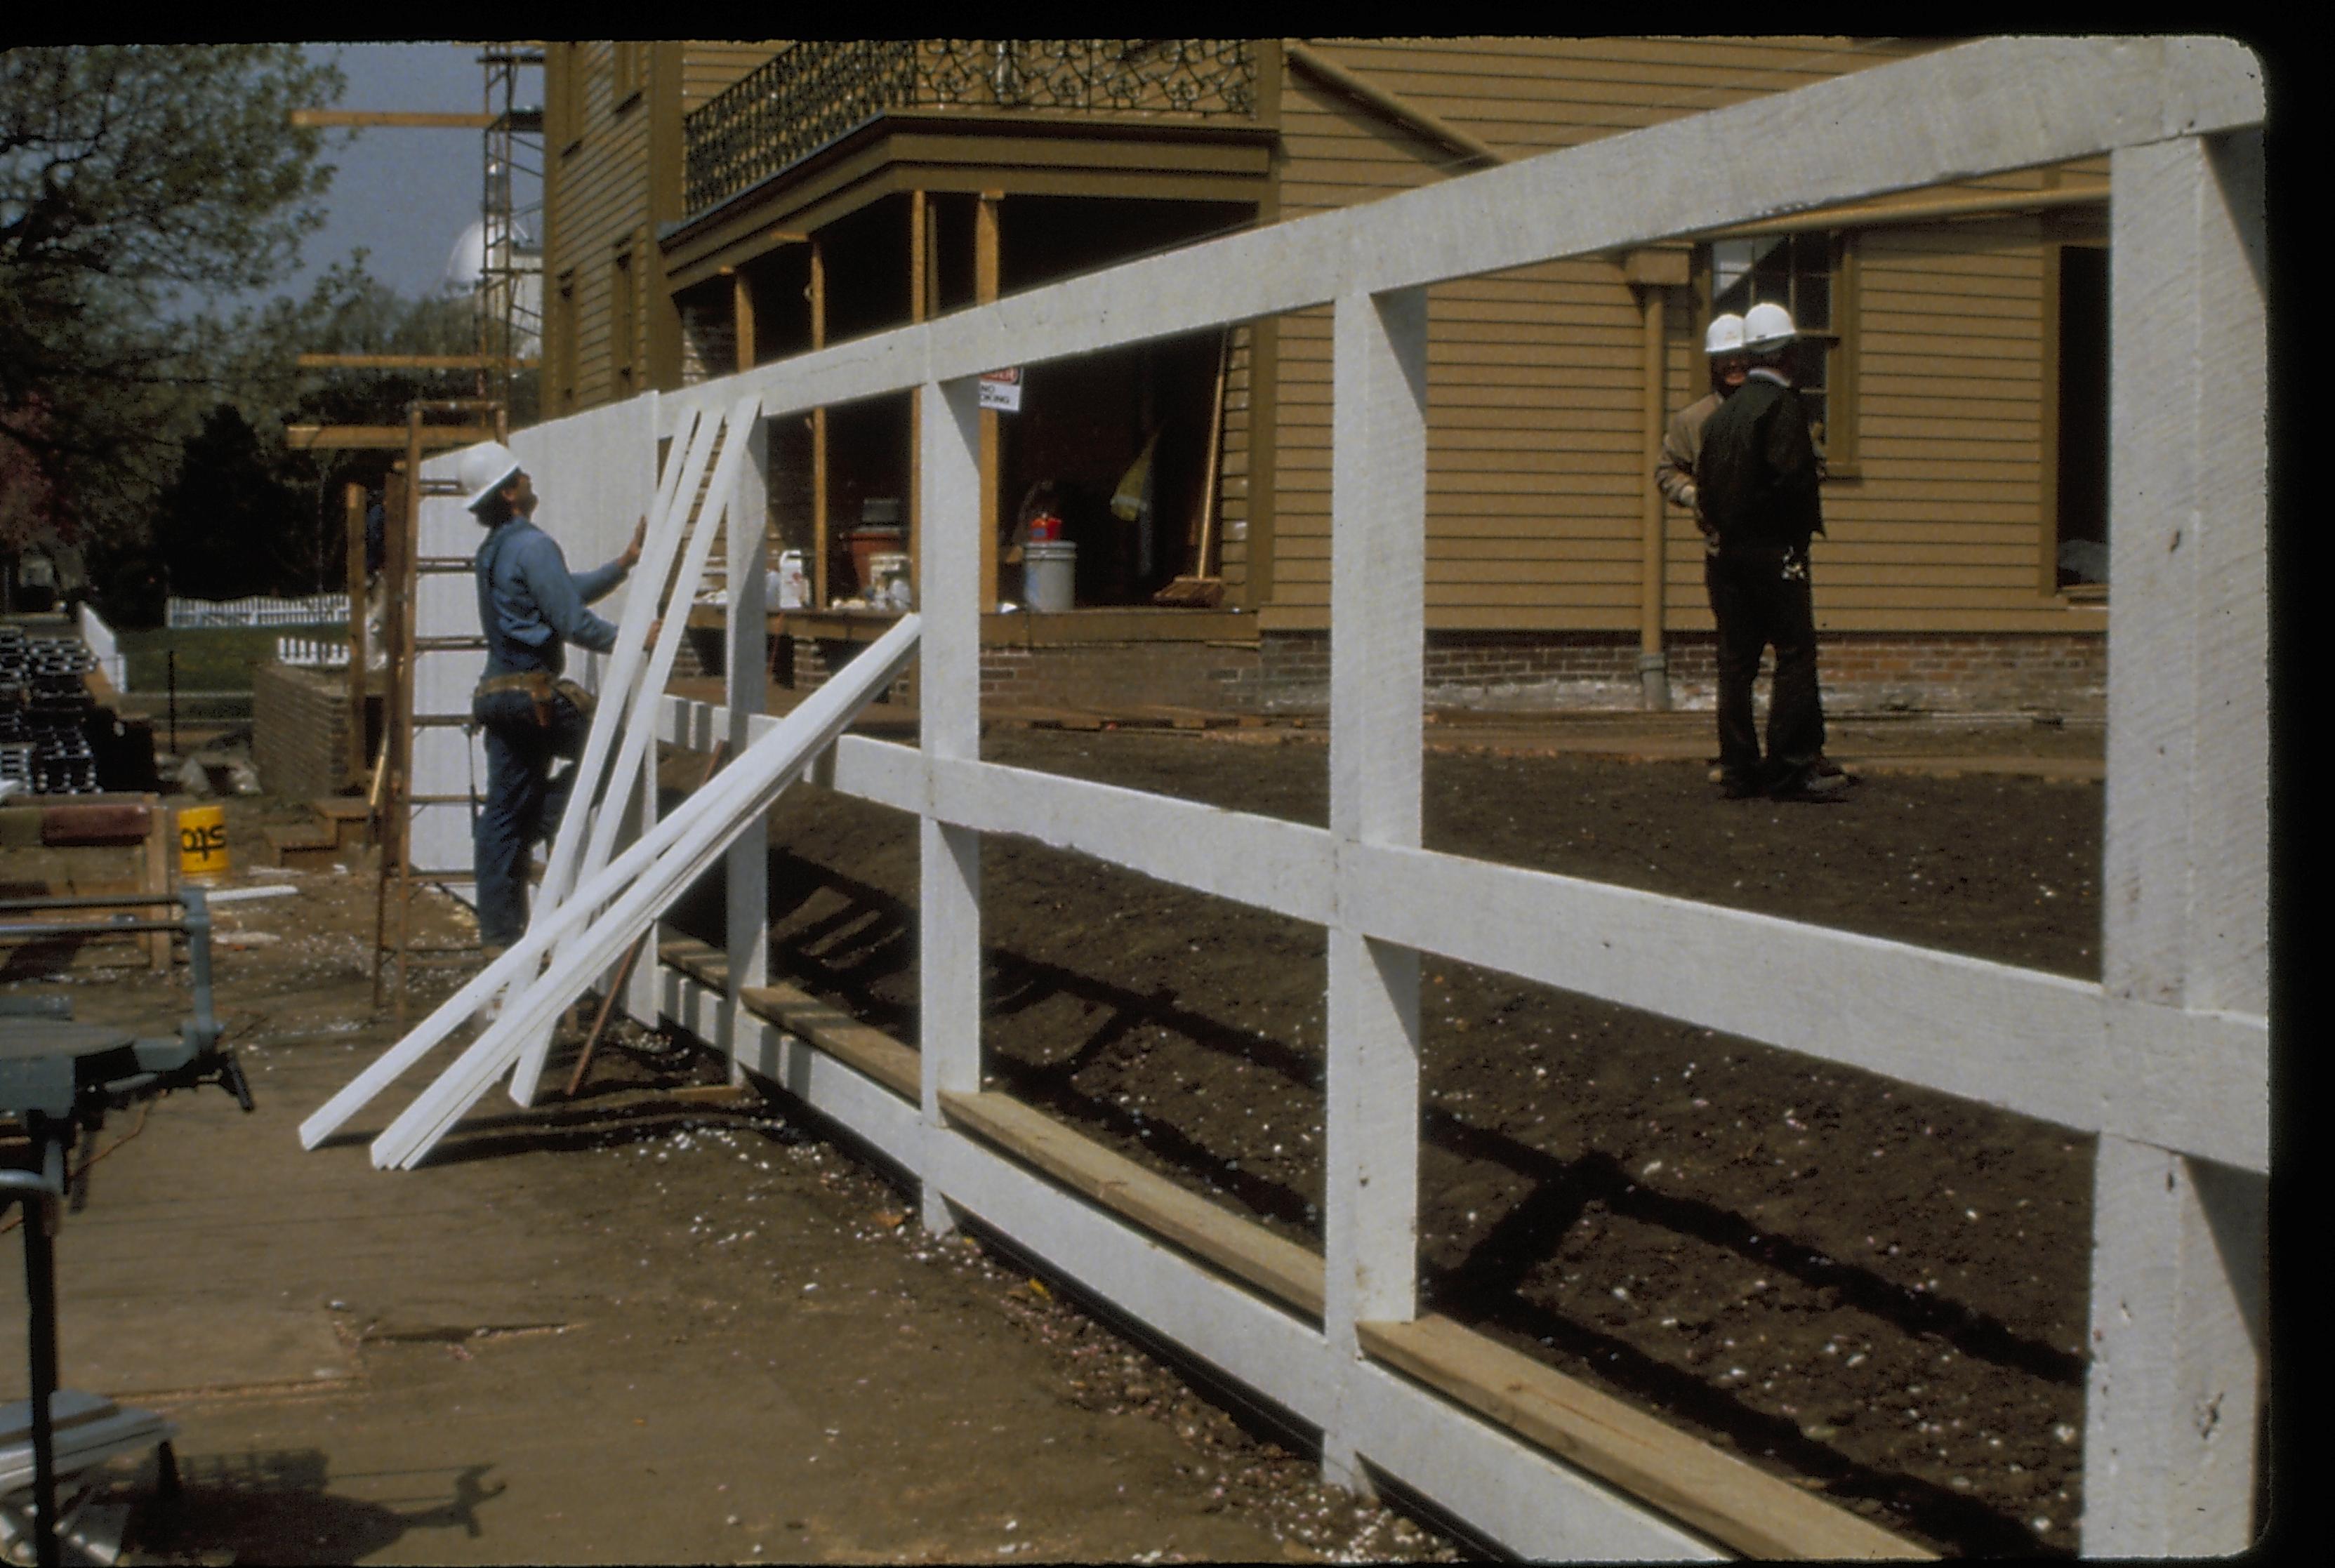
<point x="626" y="682"/>
<point x="618" y="905"/>
<point x="634" y="726"/>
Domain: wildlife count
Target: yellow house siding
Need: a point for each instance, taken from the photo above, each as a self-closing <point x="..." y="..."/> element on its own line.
<point x="1536" y="404"/>
<point x="600" y="195"/>
<point x="710" y="68"/>
<point x="1947" y="511"/>
<point x="1537" y="476"/>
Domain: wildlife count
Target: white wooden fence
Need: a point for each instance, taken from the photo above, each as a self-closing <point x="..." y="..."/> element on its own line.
<point x="312" y="653"/>
<point x="314" y="610"/>
<point x="2165" y="1059"/>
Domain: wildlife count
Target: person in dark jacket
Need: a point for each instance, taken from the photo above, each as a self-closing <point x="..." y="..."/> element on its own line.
<point x="1755" y="481"/>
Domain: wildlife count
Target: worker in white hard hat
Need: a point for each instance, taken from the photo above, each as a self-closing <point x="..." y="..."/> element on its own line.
<point x="530" y="607"/>
<point x="1722" y="344"/>
<point x="1755" y="477"/>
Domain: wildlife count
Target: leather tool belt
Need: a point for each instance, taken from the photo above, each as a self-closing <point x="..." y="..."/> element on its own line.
<point x="540" y="687"/>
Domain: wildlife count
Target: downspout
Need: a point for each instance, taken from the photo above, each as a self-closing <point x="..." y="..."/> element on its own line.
<point x="1654" y="663"/>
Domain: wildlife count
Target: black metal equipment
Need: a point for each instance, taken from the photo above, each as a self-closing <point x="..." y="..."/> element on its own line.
<point x="59" y="1078"/>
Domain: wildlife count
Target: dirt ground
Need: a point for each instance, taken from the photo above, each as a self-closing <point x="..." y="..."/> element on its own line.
<point x="655" y="1323"/>
<point x="638" y="1327"/>
<point x="1876" y="1291"/>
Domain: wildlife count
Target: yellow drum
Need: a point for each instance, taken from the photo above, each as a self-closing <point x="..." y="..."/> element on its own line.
<point x="203" y="855"/>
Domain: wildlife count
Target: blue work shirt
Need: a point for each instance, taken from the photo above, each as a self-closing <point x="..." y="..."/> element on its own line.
<point x="530" y="606"/>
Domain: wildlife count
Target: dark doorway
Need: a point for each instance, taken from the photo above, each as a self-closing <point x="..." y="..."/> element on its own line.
<point x="2083" y="455"/>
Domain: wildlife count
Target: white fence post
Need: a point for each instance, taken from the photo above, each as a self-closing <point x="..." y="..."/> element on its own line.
<point x="746" y="686"/>
<point x="2180" y="1260"/>
<point x="1378" y="502"/>
<point x="948" y="687"/>
<point x="101" y="643"/>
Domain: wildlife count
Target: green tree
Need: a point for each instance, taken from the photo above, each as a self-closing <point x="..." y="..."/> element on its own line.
<point x="228" y="525"/>
<point x="137" y="182"/>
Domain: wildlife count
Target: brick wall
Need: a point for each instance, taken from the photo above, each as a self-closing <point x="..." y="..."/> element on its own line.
<point x="1975" y="672"/>
<point x="299" y="731"/>
<point x="1289" y="672"/>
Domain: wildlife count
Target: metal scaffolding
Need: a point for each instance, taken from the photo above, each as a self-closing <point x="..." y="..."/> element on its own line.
<point x="509" y="288"/>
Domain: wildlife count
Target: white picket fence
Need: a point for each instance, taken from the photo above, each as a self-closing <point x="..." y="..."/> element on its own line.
<point x="314" y="610"/>
<point x="2165" y="1059"/>
<point x="312" y="653"/>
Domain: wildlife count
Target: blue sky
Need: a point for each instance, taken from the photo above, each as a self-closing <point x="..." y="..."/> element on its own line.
<point x="405" y="195"/>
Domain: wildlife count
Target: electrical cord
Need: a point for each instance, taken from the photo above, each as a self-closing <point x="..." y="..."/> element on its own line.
<point x="74" y="1178"/>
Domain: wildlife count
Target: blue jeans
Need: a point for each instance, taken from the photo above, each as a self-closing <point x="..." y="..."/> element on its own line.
<point x="524" y="802"/>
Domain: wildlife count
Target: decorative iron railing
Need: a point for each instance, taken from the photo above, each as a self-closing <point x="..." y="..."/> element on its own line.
<point x="817" y="90"/>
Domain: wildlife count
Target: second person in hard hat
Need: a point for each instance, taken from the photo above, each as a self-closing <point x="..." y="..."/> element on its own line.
<point x="1756" y="480"/>
<point x="1722" y="344"/>
<point x="530" y="607"/>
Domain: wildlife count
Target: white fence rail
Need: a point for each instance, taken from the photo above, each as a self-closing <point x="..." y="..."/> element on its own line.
<point x="317" y="609"/>
<point x="2166" y="1059"/>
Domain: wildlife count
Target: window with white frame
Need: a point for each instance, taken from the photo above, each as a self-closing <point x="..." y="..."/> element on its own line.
<point x="1805" y="273"/>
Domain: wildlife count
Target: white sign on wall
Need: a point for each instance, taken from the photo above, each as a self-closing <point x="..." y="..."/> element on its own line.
<point x="1002" y="390"/>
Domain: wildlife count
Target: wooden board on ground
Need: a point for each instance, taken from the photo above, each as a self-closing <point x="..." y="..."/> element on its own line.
<point x="799" y="1014"/>
<point x="1288" y="1273"/>
<point x="1034" y="717"/>
<point x="1698" y="1485"/>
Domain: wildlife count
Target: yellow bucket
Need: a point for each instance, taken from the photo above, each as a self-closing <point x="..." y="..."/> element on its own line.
<point x="203" y="843"/>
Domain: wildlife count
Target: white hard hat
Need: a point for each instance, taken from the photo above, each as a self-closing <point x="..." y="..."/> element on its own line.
<point x="484" y="469"/>
<point x="1767" y="326"/>
<point x="1724" y="336"/>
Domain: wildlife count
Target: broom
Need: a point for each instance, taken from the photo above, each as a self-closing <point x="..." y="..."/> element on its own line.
<point x="1200" y="590"/>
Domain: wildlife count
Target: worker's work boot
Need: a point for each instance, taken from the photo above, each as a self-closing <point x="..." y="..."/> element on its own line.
<point x="1813" y="788"/>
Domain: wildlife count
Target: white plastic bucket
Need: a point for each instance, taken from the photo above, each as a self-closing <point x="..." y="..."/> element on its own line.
<point x="1050" y="570"/>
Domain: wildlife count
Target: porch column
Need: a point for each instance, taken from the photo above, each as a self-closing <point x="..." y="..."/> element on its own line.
<point x="819" y="591"/>
<point x="985" y="292"/>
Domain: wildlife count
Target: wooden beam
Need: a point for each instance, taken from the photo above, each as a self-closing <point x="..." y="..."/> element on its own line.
<point x="920" y="227"/>
<point x="1285" y="1271"/>
<point x="353" y="508"/>
<point x="1653" y="675"/>
<point x="1391" y="105"/>
<point x="1873" y="214"/>
<point x="741" y="317"/>
<point x="382" y="438"/>
<point x="409" y="362"/>
<point x="403" y="119"/>
<point x="832" y="1029"/>
<point x="821" y="591"/>
<point x="1701" y="1486"/>
<point x="986" y="269"/>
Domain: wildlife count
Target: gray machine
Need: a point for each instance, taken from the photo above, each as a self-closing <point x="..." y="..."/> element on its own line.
<point x="58" y="1080"/>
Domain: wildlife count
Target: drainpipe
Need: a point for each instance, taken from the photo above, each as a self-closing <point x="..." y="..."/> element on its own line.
<point x="1650" y="272"/>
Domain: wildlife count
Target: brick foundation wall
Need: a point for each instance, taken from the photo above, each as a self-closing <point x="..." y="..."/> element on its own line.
<point x="299" y="731"/>
<point x="1943" y="672"/>
<point x="1289" y="672"/>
